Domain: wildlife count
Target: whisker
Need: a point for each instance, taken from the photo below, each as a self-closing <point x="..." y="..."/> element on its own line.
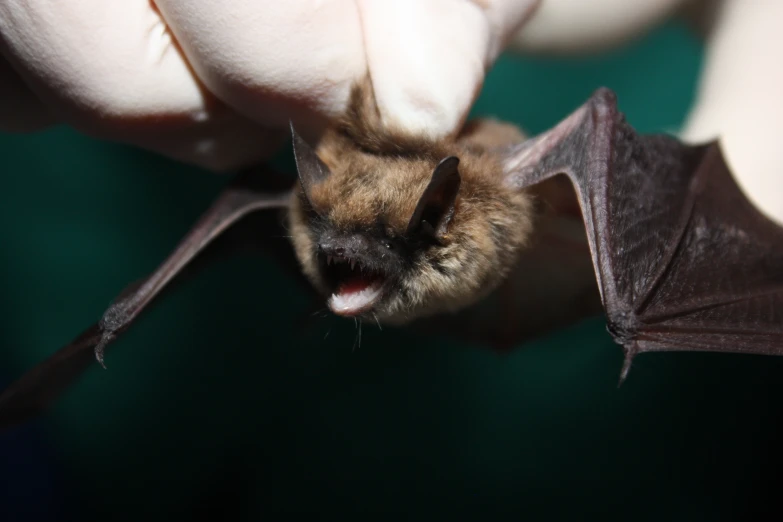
<point x="327" y="333"/>
<point x="377" y="321"/>
<point x="358" y="339"/>
<point x="321" y="311"/>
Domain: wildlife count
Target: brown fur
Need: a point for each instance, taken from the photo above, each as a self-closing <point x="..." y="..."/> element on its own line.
<point x="377" y="174"/>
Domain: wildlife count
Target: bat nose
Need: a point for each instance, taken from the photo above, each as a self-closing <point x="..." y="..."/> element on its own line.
<point x="343" y="246"/>
<point x="331" y="249"/>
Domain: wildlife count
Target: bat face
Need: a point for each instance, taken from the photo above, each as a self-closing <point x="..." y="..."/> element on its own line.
<point x="398" y="237"/>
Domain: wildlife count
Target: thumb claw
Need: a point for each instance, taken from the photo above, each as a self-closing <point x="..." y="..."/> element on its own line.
<point x="630" y="353"/>
<point x="100" y="348"/>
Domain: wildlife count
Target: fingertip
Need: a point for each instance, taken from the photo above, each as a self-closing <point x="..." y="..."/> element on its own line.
<point x="576" y="26"/>
<point x="738" y="100"/>
<point x="273" y="60"/>
<point x="426" y="61"/>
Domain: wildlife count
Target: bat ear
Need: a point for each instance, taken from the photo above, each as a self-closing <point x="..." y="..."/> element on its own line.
<point x="436" y="206"/>
<point x="310" y="167"/>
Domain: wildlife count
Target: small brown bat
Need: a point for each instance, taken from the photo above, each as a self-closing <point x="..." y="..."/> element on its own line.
<point x="482" y="235"/>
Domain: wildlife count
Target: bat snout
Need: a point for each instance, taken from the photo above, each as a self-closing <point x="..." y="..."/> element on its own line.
<point x="331" y="249"/>
<point x="354" y="246"/>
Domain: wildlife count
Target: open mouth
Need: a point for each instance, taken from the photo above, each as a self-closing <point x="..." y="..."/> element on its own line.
<point x="355" y="287"/>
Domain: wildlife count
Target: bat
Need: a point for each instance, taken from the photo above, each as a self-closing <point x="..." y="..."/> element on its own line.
<point x="490" y="235"/>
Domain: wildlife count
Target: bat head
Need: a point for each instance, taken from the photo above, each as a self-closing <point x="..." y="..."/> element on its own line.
<point x="400" y="235"/>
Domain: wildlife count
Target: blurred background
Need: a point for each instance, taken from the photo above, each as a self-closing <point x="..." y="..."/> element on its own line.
<point x="217" y="405"/>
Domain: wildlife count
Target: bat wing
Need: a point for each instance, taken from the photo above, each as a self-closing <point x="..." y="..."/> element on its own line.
<point x="34" y="391"/>
<point x="683" y="259"/>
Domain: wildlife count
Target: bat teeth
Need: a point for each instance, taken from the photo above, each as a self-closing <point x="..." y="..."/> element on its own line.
<point x="352" y="263"/>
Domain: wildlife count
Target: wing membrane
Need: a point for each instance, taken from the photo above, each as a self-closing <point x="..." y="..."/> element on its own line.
<point x="683" y="259"/>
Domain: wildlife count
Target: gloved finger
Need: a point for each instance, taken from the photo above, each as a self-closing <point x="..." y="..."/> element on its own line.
<point x="273" y="60"/>
<point x="575" y="26"/>
<point x="20" y="109"/>
<point x="739" y="98"/>
<point x="112" y="69"/>
<point x="426" y="60"/>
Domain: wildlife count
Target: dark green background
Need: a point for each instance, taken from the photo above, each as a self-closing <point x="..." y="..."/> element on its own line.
<point x="216" y="400"/>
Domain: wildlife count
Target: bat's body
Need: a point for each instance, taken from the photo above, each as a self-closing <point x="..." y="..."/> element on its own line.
<point x="480" y="234"/>
<point x="396" y="229"/>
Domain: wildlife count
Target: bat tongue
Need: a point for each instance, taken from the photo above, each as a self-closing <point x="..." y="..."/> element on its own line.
<point x="356" y="294"/>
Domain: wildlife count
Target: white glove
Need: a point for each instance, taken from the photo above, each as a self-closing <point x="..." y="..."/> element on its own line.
<point x="219" y="92"/>
<point x="211" y="82"/>
<point x="740" y="98"/>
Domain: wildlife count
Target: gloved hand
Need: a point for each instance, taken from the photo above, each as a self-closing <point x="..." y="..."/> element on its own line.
<point x="741" y="85"/>
<point x="215" y="84"/>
